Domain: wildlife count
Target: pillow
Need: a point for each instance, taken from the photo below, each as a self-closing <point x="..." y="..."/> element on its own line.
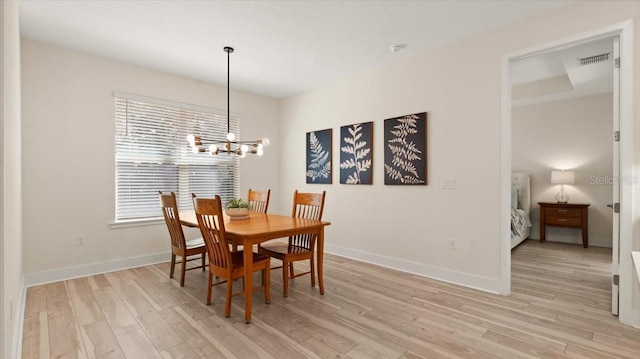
<point x="514" y="197"/>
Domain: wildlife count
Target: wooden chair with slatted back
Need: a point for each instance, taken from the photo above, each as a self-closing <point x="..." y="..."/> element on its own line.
<point x="259" y="200"/>
<point x="300" y="247"/>
<point x="179" y="246"/>
<point x="222" y="262"/>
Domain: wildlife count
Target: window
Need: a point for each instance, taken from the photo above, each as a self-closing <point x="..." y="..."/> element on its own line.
<point x="152" y="154"/>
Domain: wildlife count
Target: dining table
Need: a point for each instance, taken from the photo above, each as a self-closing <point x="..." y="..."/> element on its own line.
<point x="259" y="228"/>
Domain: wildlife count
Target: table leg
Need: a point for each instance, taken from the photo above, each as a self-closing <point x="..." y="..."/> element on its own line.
<point x="321" y="259"/>
<point x="248" y="281"/>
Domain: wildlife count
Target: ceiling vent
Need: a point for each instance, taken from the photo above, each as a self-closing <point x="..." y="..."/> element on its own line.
<point x="593" y="59"/>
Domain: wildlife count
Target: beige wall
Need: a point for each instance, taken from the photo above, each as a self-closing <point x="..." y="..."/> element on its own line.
<point x="575" y="135"/>
<point x="459" y="85"/>
<point x="11" y="244"/>
<point x="68" y="153"/>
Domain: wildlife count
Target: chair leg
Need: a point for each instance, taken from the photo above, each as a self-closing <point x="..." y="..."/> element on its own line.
<point x="203" y="260"/>
<point x="173" y="265"/>
<point x="313" y="272"/>
<point x="266" y="284"/>
<point x="183" y="270"/>
<point x="227" y="300"/>
<point x="290" y="269"/>
<point x="285" y="278"/>
<point x="209" y="286"/>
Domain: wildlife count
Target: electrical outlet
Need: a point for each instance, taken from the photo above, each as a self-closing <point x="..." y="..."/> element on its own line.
<point x="452" y="244"/>
<point x="79" y="241"/>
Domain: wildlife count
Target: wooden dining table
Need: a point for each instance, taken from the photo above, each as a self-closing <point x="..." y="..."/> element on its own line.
<point x="259" y="228"/>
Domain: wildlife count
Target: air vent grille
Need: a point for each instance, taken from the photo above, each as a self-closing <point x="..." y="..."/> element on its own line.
<point x="593" y="59"/>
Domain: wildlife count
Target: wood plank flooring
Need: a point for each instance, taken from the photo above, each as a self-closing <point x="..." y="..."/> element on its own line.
<point x="559" y="308"/>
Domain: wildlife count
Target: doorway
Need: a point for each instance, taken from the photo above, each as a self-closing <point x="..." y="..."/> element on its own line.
<point x="604" y="35"/>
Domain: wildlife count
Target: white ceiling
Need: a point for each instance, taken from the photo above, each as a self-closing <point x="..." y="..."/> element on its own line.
<point x="558" y="75"/>
<point x="282" y="47"/>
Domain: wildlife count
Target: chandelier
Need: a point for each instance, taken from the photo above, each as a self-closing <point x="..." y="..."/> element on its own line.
<point x="230" y="145"/>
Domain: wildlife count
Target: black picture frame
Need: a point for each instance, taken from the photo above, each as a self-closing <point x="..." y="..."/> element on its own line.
<point x="356" y="153"/>
<point x="319" y="154"/>
<point x="405" y="150"/>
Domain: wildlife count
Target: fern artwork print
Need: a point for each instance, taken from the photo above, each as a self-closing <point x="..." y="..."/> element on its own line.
<point x="405" y="155"/>
<point x="356" y="153"/>
<point x="319" y="156"/>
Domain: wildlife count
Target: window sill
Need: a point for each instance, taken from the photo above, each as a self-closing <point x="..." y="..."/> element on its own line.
<point x="136" y="223"/>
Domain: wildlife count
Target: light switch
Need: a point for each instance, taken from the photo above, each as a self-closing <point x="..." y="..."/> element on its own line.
<point x="448" y="183"/>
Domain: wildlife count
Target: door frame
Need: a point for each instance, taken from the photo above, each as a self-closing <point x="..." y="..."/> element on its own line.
<point x="625" y="31"/>
<point x="615" y="146"/>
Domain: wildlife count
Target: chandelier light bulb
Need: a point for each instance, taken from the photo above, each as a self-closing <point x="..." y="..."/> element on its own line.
<point x="231" y="136"/>
<point x="259" y="151"/>
<point x="213" y="149"/>
<point x="242" y="154"/>
<point x="195" y="149"/>
<point x="265" y="141"/>
<point x="191" y="138"/>
<point x="244" y="148"/>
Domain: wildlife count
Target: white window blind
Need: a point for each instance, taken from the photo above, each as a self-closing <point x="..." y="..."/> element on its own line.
<point x="152" y="154"/>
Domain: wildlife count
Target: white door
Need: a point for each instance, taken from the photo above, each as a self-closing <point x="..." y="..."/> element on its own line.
<point x="615" y="260"/>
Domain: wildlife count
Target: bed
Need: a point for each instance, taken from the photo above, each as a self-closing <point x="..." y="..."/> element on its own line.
<point x="520" y="207"/>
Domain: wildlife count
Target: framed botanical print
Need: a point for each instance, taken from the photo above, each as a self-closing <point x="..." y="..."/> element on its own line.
<point x="356" y="153"/>
<point x="319" y="156"/>
<point x="405" y="150"/>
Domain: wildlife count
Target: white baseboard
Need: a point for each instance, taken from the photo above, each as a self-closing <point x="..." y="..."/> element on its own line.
<point x="57" y="275"/>
<point x="491" y="285"/>
<point x="465" y="279"/>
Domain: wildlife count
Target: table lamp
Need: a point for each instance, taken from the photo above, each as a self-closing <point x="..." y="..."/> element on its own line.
<point x="562" y="178"/>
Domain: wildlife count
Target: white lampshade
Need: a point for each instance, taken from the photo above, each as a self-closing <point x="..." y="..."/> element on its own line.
<point x="562" y="177"/>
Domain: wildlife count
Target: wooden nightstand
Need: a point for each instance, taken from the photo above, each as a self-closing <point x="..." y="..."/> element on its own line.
<point x="569" y="215"/>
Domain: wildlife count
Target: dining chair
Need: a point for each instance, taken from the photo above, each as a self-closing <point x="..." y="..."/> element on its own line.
<point x="179" y="246"/>
<point x="299" y="247"/>
<point x="259" y="200"/>
<point x="222" y="262"/>
<point x="259" y="203"/>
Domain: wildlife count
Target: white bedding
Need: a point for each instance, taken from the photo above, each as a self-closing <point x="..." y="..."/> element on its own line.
<point x="520" y="223"/>
<point x="521" y="204"/>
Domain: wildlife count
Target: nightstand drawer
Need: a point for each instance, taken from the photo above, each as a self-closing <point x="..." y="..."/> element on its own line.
<point x="563" y="221"/>
<point x="564" y="212"/>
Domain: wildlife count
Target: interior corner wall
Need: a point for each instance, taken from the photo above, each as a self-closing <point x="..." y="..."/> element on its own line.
<point x="69" y="159"/>
<point x="11" y="267"/>
<point x="2" y="100"/>
<point x="459" y="86"/>
<point x="574" y="134"/>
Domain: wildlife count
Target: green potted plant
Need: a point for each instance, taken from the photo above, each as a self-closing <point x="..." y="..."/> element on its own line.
<point x="237" y="208"/>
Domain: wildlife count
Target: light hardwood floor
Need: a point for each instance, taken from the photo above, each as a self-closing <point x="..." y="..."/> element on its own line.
<point x="559" y="309"/>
